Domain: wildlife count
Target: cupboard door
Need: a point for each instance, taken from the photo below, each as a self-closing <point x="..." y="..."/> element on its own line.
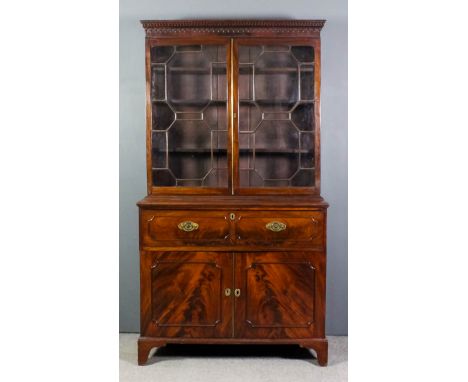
<point x="280" y="295"/>
<point x="183" y="294"/>
<point x="277" y="106"/>
<point x="188" y="120"/>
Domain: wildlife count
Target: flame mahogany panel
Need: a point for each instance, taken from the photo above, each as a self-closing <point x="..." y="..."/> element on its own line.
<point x="183" y="294"/>
<point x="283" y="295"/>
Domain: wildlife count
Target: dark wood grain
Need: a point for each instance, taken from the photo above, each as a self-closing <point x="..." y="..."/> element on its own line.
<point x="234" y="102"/>
<point x="162" y="227"/>
<point x="188" y="280"/>
<point x="230" y="117"/>
<point x="182" y="294"/>
<point x="145" y="344"/>
<point x="302" y="228"/>
<point x="317" y="82"/>
<point x="320" y="346"/>
<point x="149" y="117"/>
<point x="234" y="202"/>
<point x="281" y="295"/>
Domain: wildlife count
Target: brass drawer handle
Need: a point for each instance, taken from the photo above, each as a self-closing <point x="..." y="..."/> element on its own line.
<point x="227" y="292"/>
<point x="237" y="292"/>
<point x="188" y="226"/>
<point x="276" y="226"/>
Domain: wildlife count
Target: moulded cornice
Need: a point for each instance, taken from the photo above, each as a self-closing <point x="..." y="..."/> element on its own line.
<point x="231" y="27"/>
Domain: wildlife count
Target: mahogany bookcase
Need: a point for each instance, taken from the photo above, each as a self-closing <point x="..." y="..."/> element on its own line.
<point x="233" y="229"/>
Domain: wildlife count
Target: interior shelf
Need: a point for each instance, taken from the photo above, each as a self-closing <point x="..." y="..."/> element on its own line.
<point x="241" y="151"/>
<point x="192" y="103"/>
<point x="241" y="101"/>
<point x="248" y="70"/>
<point x="244" y="69"/>
<point x="216" y="70"/>
<point x="270" y="102"/>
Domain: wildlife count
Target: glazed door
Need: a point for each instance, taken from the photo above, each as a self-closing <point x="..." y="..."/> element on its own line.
<point x="186" y="294"/>
<point x="278" y="110"/>
<point x="280" y="295"/>
<point x="237" y="116"/>
<point x="187" y="101"/>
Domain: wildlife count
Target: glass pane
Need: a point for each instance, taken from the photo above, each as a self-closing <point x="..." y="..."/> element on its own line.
<point x="276" y="116"/>
<point x="189" y="120"/>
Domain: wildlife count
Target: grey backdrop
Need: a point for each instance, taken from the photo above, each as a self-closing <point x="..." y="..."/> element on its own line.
<point x="334" y="131"/>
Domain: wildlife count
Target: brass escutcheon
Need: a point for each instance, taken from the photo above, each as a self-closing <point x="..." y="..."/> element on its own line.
<point x="237" y="292"/>
<point x="227" y="292"/>
<point x="276" y="226"/>
<point x="188" y="226"/>
<point x="232" y="216"/>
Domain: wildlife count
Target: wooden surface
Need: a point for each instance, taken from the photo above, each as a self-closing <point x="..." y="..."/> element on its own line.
<point x="182" y="294"/>
<point x="221" y="228"/>
<point x="281" y="295"/>
<point x="301" y="228"/>
<point x="159" y="228"/>
<point x="232" y="280"/>
<point x="234" y="202"/>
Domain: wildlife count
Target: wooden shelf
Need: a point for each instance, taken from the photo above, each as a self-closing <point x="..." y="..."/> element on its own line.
<point x="241" y="101"/>
<point x="241" y="151"/>
<point x="273" y="151"/>
<point x="193" y="70"/>
<point x="268" y="102"/>
<point x="197" y="151"/>
<point x="192" y="103"/>
<point x="243" y="70"/>
<point x="248" y="71"/>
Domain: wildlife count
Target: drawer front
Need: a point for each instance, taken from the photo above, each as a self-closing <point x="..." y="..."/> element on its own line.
<point x="279" y="227"/>
<point x="162" y="228"/>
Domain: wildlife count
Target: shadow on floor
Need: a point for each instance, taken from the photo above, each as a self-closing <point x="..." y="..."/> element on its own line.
<point x="234" y="351"/>
<point x="283" y="351"/>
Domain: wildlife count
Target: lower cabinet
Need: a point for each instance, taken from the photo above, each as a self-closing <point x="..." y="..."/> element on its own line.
<point x="236" y="295"/>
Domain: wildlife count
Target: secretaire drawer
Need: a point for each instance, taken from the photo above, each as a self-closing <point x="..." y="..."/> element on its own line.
<point x="160" y="228"/>
<point x="275" y="227"/>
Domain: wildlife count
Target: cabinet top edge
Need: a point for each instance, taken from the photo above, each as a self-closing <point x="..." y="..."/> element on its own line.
<point x="230" y="202"/>
<point x="222" y="25"/>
